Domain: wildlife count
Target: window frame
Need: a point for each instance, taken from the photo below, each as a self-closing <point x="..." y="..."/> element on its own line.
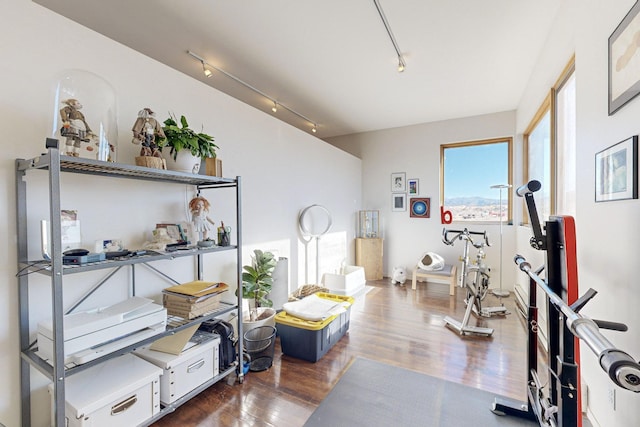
<point x="549" y="104"/>
<point x="543" y="109"/>
<point x="567" y="73"/>
<point x="506" y="139"/>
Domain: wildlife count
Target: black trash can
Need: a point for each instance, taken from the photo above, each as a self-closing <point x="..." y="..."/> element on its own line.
<point x="259" y="344"/>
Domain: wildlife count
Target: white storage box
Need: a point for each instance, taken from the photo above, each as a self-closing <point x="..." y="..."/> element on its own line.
<point x="120" y="392"/>
<point x="183" y="373"/>
<point x="349" y="283"/>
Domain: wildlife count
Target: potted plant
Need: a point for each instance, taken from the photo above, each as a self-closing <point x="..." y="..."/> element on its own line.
<point x="184" y="142"/>
<point x="257" y="281"/>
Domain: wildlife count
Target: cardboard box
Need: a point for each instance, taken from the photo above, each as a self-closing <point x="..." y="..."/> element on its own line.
<point x="186" y="371"/>
<point x="310" y="340"/>
<point x="123" y="391"/>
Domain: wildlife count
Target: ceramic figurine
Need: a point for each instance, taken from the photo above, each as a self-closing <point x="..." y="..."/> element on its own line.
<point x="146" y="131"/>
<point x="199" y="207"/>
<point x="74" y="127"/>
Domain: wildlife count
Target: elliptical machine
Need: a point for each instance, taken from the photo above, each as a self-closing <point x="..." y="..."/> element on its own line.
<point x="478" y="287"/>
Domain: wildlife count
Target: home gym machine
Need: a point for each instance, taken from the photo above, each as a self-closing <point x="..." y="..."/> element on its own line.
<point x="560" y="405"/>
<point x="476" y="288"/>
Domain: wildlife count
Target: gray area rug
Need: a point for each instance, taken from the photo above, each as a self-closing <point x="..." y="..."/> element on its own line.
<point x="371" y="393"/>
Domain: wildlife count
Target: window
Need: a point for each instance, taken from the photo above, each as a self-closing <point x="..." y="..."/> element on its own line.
<point x="550" y="148"/>
<point x="468" y="171"/>
<point x="537" y="146"/>
<point x="565" y="113"/>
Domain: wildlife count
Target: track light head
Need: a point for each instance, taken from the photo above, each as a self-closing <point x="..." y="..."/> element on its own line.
<point x="400" y="64"/>
<point x="207" y="72"/>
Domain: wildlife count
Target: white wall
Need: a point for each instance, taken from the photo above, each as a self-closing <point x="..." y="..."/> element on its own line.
<point x="283" y="170"/>
<point x="607" y="233"/>
<point x="416" y="151"/>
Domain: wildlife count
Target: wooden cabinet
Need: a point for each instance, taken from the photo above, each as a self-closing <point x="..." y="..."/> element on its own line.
<point x="369" y="255"/>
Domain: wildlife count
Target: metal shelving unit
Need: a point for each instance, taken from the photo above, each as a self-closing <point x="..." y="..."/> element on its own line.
<point x="56" y="164"/>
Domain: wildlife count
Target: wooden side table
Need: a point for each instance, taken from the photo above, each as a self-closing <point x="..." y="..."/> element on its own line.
<point x="369" y="255"/>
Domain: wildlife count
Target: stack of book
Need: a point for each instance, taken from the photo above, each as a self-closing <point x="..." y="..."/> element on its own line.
<point x="192" y="299"/>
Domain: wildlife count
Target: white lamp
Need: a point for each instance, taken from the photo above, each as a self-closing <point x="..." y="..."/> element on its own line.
<point x="501" y="292"/>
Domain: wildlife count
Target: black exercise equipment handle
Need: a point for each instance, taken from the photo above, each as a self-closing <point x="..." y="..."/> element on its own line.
<point x="613" y="326"/>
<point x="530" y="187"/>
<point x="621" y="368"/>
<point x="459" y="235"/>
<point x="538" y="240"/>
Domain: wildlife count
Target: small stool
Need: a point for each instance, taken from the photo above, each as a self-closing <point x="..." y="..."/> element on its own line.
<point x="448" y="273"/>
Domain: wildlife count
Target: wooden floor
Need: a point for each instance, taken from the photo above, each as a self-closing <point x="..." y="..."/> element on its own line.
<point x="391" y="324"/>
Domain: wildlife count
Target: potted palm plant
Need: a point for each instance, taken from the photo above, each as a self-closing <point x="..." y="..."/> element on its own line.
<point x="186" y="147"/>
<point x="257" y="281"/>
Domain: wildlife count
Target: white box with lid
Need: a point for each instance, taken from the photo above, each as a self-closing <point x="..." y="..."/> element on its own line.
<point x="186" y="371"/>
<point x="124" y="391"/>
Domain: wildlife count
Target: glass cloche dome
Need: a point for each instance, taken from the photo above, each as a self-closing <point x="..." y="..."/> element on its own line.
<point x="84" y="116"/>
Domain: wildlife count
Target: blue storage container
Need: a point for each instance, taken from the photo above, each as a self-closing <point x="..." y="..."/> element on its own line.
<point x="310" y="340"/>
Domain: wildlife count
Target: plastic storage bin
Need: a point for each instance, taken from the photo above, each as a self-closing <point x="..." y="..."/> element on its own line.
<point x="349" y="282"/>
<point x="120" y="392"/>
<point x="184" y="372"/>
<point x="309" y="340"/>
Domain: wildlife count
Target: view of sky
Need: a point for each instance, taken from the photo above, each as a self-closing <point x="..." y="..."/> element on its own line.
<point x="471" y="171"/>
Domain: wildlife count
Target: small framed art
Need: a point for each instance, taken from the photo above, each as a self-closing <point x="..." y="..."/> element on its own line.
<point x="412" y="187"/>
<point x="398" y="182"/>
<point x="624" y="64"/>
<point x="617" y="171"/>
<point x="175" y="231"/>
<point x="398" y="202"/>
<point x="420" y="207"/>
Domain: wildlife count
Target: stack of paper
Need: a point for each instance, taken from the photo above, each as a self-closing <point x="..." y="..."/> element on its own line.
<point x="193" y="299"/>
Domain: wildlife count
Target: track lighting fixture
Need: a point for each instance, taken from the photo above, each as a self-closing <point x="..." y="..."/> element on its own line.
<point x="401" y="63"/>
<point x="207" y="72"/>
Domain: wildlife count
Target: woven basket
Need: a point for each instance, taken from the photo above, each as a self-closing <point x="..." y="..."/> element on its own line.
<point x="305" y="291"/>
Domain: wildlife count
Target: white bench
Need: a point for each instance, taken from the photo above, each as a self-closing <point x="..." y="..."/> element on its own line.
<point x="448" y="274"/>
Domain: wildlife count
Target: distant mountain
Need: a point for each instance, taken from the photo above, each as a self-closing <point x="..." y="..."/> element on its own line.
<point x="471" y="201"/>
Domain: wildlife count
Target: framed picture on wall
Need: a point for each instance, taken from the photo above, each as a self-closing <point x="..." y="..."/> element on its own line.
<point x="398" y="182"/>
<point x="412" y="187"/>
<point x="420" y="207"/>
<point x="624" y="61"/>
<point x="617" y="171"/>
<point x="398" y="202"/>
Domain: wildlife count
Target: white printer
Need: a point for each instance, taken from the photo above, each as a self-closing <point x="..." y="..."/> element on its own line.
<point x="92" y="333"/>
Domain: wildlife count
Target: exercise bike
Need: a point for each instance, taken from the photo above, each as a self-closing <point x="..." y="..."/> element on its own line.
<point x="478" y="287"/>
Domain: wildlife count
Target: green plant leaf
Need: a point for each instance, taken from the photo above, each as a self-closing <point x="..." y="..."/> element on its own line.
<point x="257" y="279"/>
<point x="182" y="138"/>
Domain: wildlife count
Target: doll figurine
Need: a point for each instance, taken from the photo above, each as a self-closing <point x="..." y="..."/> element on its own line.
<point x="199" y="207"/>
<point x="74" y="127"/>
<point x="146" y="130"/>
